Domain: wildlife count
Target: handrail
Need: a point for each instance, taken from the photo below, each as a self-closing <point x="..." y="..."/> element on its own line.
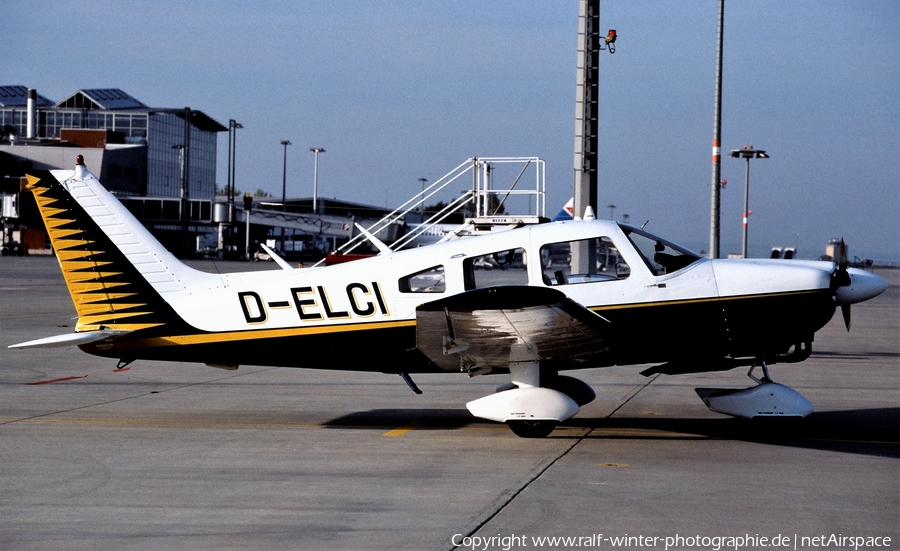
<point x="481" y="167"/>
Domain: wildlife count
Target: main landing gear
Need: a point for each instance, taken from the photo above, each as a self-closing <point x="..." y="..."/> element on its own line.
<point x="533" y="403"/>
<point x="532" y="429"/>
<point x="766" y="399"/>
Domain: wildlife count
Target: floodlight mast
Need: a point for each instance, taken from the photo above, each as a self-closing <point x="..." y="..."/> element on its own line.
<point x="716" y="201"/>
<point x="587" y="116"/>
<point x="586" y="123"/>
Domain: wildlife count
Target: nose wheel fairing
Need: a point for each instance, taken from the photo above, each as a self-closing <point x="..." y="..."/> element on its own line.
<point x="766" y="399"/>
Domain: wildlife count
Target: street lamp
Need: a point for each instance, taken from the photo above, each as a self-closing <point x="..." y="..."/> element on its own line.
<point x="233" y="125"/>
<point x="316" y="151"/>
<point x="225" y="239"/>
<point x="285" y="143"/>
<point x="185" y="192"/>
<point x="422" y="204"/>
<point x="747" y="153"/>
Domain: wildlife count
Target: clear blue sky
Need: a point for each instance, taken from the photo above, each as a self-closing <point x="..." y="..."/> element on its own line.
<point x="398" y="90"/>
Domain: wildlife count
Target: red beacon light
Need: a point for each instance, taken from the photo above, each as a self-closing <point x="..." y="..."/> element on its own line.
<point x="610" y="41"/>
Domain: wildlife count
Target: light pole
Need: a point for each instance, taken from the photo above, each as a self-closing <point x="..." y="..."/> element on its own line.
<point x="225" y="239"/>
<point x="233" y="125"/>
<point x="225" y="243"/>
<point x="716" y="199"/>
<point x="422" y="204"/>
<point x="285" y="143"/>
<point x="747" y="153"/>
<point x="185" y="191"/>
<point x="316" y="151"/>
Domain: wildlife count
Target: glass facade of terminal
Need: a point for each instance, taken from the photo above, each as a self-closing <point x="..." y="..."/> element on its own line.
<point x="51" y="121"/>
<point x="13" y="117"/>
<point x="166" y="160"/>
<point x="161" y="130"/>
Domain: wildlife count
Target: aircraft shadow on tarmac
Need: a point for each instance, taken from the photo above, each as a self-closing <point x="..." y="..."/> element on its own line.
<point x="387" y="419"/>
<point x="856" y="355"/>
<point x="861" y="431"/>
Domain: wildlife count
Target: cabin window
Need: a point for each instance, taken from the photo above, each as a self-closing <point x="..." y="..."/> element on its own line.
<point x="431" y="280"/>
<point x="661" y="256"/>
<point x="599" y="261"/>
<point x="500" y="268"/>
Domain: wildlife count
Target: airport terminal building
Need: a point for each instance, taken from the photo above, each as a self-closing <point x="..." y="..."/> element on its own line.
<point x="161" y="162"/>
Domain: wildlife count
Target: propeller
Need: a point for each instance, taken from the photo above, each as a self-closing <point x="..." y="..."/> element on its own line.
<point x="845" y="311"/>
<point x="841" y="278"/>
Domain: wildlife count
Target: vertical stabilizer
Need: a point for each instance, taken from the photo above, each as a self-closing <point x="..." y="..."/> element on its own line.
<point x="116" y="272"/>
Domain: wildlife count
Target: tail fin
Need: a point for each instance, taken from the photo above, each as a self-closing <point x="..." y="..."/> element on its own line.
<point x="116" y="272"/>
<point x="565" y="213"/>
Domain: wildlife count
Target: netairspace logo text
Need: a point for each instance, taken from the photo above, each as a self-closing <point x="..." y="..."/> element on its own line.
<point x="678" y="541"/>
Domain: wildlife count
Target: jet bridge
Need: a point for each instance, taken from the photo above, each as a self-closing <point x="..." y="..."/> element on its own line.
<point x="332" y="227"/>
<point x="315" y="224"/>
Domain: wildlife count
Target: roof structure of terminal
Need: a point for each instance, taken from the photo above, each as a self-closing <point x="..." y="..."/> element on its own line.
<point x="17" y="96"/>
<point x="101" y="98"/>
<point x="110" y="99"/>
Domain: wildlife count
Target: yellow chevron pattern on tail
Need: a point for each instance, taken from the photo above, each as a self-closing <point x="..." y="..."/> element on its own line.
<point x="106" y="289"/>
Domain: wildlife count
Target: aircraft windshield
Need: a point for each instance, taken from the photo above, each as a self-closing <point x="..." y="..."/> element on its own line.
<point x="660" y="255"/>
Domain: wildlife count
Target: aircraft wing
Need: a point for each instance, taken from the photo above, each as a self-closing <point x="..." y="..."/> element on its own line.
<point x="476" y="331"/>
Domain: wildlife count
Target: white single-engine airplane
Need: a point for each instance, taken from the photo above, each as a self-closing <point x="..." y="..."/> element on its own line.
<point x="513" y="302"/>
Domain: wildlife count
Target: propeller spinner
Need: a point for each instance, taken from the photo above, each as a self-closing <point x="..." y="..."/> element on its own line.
<point x="852" y="285"/>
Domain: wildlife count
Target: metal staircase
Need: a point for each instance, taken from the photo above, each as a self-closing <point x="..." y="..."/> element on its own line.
<point x="482" y="202"/>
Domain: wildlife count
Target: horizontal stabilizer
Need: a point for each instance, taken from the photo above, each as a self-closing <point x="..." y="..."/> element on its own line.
<point x="71" y="339"/>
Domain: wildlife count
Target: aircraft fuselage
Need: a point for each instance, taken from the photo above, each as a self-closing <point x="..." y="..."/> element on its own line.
<point x="343" y="316"/>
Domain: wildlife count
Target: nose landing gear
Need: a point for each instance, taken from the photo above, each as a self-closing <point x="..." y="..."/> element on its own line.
<point x="766" y="399"/>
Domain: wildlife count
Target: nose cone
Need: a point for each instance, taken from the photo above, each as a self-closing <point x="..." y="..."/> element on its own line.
<point x="863" y="286"/>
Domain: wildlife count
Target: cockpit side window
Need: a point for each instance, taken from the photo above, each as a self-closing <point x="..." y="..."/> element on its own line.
<point x="582" y="261"/>
<point x="661" y="256"/>
<point x="498" y="268"/>
<point x="431" y="280"/>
